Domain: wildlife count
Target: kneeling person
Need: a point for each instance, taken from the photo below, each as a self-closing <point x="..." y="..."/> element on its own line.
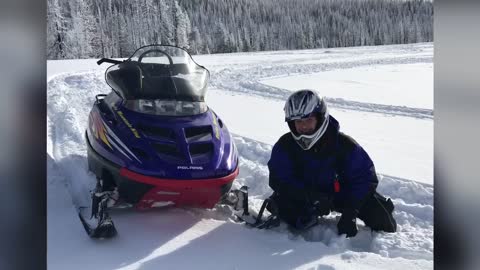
<point x="315" y="169"/>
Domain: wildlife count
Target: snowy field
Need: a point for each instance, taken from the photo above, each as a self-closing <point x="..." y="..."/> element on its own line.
<point x="382" y="97"/>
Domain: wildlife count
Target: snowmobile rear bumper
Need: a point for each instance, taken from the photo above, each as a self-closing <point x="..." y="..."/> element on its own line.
<point x="145" y="191"/>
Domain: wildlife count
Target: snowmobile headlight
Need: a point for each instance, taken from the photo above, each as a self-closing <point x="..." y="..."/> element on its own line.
<point x="147" y="106"/>
<point x="167" y="107"/>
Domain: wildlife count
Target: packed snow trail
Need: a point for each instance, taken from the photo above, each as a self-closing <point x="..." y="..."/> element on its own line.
<point x="246" y="79"/>
<point x="248" y="85"/>
<point x="163" y="238"/>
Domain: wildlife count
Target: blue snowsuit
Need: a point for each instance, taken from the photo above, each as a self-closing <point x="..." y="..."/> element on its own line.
<point x="299" y="176"/>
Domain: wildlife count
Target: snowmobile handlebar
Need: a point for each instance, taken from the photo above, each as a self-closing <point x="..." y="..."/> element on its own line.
<point x="108" y="60"/>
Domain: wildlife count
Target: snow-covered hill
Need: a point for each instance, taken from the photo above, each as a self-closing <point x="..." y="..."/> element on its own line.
<point x="381" y="95"/>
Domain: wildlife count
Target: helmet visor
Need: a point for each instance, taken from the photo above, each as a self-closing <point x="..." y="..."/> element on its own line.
<point x="307" y="141"/>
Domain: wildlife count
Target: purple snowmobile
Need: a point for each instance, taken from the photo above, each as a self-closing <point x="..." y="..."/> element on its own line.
<point x="153" y="141"/>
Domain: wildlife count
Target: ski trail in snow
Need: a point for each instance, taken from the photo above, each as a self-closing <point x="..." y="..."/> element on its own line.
<point x="247" y="81"/>
<point x="380" y="108"/>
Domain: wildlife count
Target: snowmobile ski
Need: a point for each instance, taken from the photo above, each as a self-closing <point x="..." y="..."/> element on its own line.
<point x="238" y="199"/>
<point x="258" y="221"/>
<point x="104" y="228"/>
<point x="99" y="224"/>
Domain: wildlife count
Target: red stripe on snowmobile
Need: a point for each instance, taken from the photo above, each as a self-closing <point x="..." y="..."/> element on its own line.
<point x="204" y="193"/>
<point x="179" y="183"/>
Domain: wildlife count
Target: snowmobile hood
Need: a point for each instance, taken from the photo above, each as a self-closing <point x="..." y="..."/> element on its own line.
<point x="159" y="72"/>
<point x="187" y="147"/>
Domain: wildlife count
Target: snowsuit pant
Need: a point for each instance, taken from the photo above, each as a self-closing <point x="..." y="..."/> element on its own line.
<point x="376" y="211"/>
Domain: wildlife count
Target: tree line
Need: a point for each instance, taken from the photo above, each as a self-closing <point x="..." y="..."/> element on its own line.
<point x="115" y="28"/>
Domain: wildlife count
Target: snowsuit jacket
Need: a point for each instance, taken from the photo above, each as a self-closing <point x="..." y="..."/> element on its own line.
<point x="299" y="174"/>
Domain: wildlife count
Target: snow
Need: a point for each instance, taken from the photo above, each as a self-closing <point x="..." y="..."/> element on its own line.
<point x="372" y="84"/>
<point x="382" y="97"/>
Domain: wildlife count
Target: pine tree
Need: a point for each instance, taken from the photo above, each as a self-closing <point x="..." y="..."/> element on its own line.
<point x="56" y="31"/>
<point x="115" y="28"/>
<point x="182" y="27"/>
<point x="196" y="41"/>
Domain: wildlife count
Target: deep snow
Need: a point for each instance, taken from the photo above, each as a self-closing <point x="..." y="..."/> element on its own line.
<point x="381" y="95"/>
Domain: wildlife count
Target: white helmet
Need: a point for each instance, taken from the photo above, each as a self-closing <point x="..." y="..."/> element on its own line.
<point x="302" y="104"/>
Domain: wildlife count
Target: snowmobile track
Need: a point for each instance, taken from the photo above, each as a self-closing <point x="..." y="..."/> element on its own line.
<point x="247" y="81"/>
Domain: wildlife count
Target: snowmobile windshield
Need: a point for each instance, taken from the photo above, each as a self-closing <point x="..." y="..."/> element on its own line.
<point x="160" y="79"/>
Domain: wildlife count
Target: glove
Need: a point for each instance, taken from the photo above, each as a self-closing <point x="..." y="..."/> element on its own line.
<point x="321" y="203"/>
<point x="347" y="224"/>
<point x="321" y="208"/>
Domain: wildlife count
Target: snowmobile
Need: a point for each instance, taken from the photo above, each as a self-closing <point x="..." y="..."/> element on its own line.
<point x="153" y="141"/>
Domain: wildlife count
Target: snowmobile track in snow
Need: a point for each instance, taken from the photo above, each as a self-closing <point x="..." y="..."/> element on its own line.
<point x="247" y="81"/>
